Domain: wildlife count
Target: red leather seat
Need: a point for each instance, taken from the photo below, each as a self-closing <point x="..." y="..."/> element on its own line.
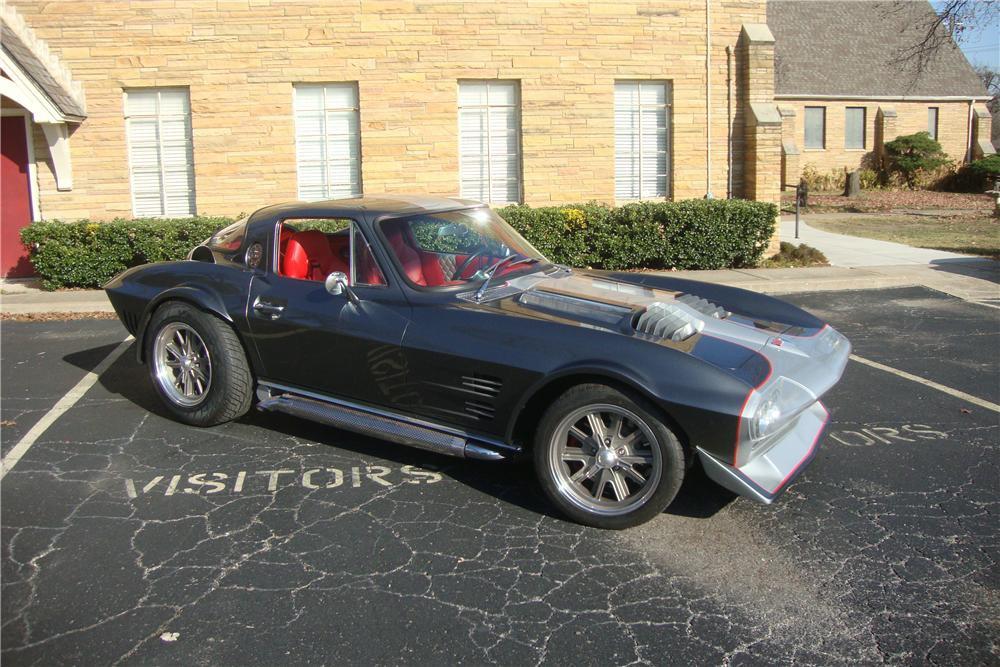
<point x="421" y="268"/>
<point x="309" y="256"/>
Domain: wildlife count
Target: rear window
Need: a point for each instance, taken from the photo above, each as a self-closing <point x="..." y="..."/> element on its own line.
<point x="229" y="238"/>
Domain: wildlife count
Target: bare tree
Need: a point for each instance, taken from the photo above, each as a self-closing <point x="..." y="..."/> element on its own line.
<point x="934" y="31"/>
<point x="990" y="78"/>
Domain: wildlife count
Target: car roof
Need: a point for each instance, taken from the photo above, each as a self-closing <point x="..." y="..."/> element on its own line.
<point x="378" y="206"/>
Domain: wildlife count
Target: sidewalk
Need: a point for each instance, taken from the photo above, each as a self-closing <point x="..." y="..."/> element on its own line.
<point x="855" y="251"/>
<point x="972" y="279"/>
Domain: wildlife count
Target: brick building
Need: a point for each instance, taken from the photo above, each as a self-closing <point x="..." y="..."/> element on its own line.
<point x="219" y="106"/>
<point x="841" y="96"/>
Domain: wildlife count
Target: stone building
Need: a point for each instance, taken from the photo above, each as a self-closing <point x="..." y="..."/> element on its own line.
<point x="841" y="95"/>
<point x="176" y="107"/>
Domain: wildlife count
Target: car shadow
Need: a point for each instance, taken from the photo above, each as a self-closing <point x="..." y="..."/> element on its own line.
<point x="982" y="268"/>
<point x="513" y="482"/>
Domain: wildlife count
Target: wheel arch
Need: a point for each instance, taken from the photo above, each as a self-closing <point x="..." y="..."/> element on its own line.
<point x="201" y="299"/>
<point x="530" y="409"/>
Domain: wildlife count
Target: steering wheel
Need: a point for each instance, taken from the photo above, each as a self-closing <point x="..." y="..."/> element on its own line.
<point x="468" y="260"/>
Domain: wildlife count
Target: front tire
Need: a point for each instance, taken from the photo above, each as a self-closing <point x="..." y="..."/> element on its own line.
<point x="197" y="365"/>
<point x="605" y="458"/>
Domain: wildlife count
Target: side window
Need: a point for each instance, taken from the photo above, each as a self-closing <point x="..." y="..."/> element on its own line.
<point x="313" y="248"/>
<point x="364" y="269"/>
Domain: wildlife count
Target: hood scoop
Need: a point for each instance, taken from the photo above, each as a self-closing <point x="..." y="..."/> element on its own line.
<point x="668" y="321"/>
<point x="574" y="307"/>
<point x="703" y="306"/>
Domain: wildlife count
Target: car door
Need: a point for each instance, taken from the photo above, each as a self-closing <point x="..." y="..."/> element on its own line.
<point x="311" y="339"/>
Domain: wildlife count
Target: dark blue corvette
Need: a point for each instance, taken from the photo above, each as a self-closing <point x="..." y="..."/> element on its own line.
<point x="430" y="322"/>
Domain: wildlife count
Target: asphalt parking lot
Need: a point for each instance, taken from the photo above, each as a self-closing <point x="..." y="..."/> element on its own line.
<point x="128" y="538"/>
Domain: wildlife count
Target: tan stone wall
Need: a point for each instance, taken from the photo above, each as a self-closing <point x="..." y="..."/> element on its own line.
<point x="911" y="117"/>
<point x="241" y="58"/>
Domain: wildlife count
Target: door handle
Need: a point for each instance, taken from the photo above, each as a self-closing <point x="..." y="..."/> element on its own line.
<point x="267" y="308"/>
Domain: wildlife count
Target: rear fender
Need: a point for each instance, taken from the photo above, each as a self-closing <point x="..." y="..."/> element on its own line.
<point x="196" y="296"/>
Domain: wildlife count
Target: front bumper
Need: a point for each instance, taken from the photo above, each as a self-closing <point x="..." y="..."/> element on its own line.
<point x="766" y="476"/>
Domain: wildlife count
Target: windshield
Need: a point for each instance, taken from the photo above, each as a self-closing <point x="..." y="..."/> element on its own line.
<point x="456" y="247"/>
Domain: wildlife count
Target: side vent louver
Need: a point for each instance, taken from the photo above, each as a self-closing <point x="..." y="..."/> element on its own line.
<point x="485" y="386"/>
<point x="668" y="321"/>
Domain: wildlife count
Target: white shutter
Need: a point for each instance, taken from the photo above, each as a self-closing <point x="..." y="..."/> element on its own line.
<point x="489" y="141"/>
<point x="328" y="141"/>
<point x="161" y="156"/>
<point x="642" y="135"/>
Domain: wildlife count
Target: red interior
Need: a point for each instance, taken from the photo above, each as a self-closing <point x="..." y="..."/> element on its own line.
<point x="312" y="255"/>
<point x="420" y="267"/>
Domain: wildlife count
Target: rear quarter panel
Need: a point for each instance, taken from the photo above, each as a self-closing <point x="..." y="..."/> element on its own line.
<point x="216" y="288"/>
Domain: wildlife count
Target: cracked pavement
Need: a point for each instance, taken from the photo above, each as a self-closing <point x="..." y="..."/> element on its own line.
<point x="334" y="547"/>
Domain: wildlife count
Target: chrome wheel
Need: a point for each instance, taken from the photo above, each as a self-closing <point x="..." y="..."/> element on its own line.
<point x="604" y="459"/>
<point x="182" y="364"/>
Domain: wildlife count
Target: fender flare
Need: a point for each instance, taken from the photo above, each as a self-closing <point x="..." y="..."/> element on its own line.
<point x="618" y="375"/>
<point x="196" y="296"/>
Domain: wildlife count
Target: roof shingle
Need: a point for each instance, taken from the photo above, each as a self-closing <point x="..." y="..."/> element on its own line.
<point x="18" y="40"/>
<point x="845" y="48"/>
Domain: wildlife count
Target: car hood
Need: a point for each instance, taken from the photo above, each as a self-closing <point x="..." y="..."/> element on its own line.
<point x="735" y="332"/>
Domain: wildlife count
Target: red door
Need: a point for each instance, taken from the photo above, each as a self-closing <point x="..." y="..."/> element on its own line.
<point x="15" y="197"/>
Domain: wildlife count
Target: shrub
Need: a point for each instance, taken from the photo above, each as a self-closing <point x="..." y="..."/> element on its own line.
<point x="912" y="154"/>
<point x="871" y="179"/>
<point x="692" y="234"/>
<point x="792" y="255"/>
<point x="88" y="254"/>
<point x="816" y="181"/>
<point x="988" y="168"/>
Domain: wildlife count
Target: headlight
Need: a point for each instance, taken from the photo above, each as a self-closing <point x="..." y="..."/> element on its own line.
<point x="778" y="404"/>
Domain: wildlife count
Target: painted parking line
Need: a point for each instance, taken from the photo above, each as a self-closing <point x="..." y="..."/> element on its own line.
<point x="975" y="400"/>
<point x="64" y="404"/>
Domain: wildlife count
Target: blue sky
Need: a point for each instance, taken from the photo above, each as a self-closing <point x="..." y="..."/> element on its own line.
<point x="982" y="46"/>
<point x="981" y="43"/>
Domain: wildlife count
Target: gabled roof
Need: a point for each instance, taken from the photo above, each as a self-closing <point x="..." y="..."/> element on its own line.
<point x="844" y="48"/>
<point x="32" y="56"/>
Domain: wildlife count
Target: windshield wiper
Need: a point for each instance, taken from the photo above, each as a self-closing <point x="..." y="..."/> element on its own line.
<point x="509" y="259"/>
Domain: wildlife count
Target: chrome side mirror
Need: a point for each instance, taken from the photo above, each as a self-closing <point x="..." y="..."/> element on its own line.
<point x="336" y="283"/>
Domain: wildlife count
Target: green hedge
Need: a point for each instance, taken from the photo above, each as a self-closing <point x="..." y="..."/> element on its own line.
<point x="694" y="234"/>
<point x="88" y="254"/>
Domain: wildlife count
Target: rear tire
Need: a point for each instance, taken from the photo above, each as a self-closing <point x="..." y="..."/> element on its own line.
<point x="197" y="365"/>
<point x="606" y="459"/>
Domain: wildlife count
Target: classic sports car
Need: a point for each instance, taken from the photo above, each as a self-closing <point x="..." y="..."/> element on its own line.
<point x="430" y="322"/>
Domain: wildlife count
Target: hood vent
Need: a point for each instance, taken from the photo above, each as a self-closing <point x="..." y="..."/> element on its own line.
<point x="668" y="321"/>
<point x="703" y="306"/>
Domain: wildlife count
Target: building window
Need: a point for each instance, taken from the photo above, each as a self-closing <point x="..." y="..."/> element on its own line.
<point x="642" y="140"/>
<point x="327" y="141"/>
<point x="490" y="141"/>
<point x="815" y="127"/>
<point x="932" y="122"/>
<point x="854" y="127"/>
<point x="160" y="155"/>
